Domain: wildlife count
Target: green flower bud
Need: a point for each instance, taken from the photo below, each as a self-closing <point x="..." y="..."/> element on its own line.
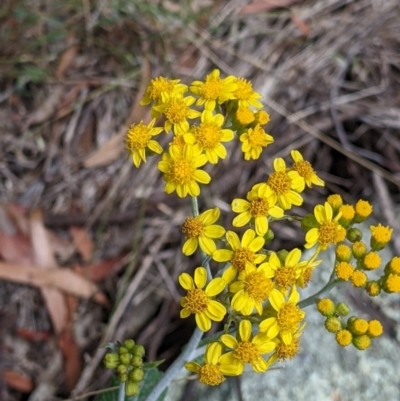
<point x="354" y="234"/>
<point x="137" y="361"/>
<point x="373" y="288"/>
<point x="125" y="359"/>
<point x="129" y="344"/>
<point x="333" y="324"/>
<point x="121" y="369"/>
<point x="138" y="350"/>
<point x="359" y="249"/>
<point x="123" y="377"/>
<point x="136" y="375"/>
<point x="269" y="236"/>
<point x="282" y="255"/>
<point x="111" y="361"/>
<point x="131" y="388"/>
<point x="342" y="309"/>
<point x="326" y="307"/>
<point x="123" y="350"/>
<point x="361" y="342"/>
<point x="308" y="222"/>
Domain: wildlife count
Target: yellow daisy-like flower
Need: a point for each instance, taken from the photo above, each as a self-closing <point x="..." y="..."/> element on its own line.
<point x="213" y="371"/>
<point x="329" y="230"/>
<point x="284" y="351"/>
<point x="260" y="204"/>
<point x="262" y="117"/>
<point x="177" y="111"/>
<point x="284" y="274"/>
<point x="253" y="142"/>
<point x="245" y="116"/>
<point x="199" y="298"/>
<point x="305" y="170"/>
<point x="209" y="135"/>
<point x="251" y="290"/>
<point x="286" y="185"/>
<point x="243" y="253"/>
<point x="213" y="90"/>
<point x="307" y="271"/>
<point x="288" y="316"/>
<point x="159" y="86"/>
<point x="139" y="138"/>
<point x="180" y="168"/>
<point x="247" y="349"/>
<point x="245" y="94"/>
<point x="200" y="230"/>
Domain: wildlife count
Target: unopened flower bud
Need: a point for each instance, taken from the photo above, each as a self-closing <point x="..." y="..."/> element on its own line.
<point x="335" y="201"/>
<point x="136" y="375"/>
<point x="344" y="337"/>
<point x="138" y="350"/>
<point x="131" y="388"/>
<point x="111" y="361"/>
<point x="375" y="328"/>
<point x="359" y="249"/>
<point x="393" y="266"/>
<point x="129" y="344"/>
<point x="354" y="234"/>
<point x="380" y="236"/>
<point x="308" y="222"/>
<point x="363" y="210"/>
<point x="326" y="307"/>
<point x="333" y="324"/>
<point x="391" y="283"/>
<point x="121" y="369"/>
<point x="125" y="359"/>
<point x="361" y="342"/>
<point x="347" y="215"/>
<point x="282" y="255"/>
<point x="123" y="377"/>
<point x="373" y="288"/>
<point x="123" y="350"/>
<point x="269" y="236"/>
<point x="342" y="309"/>
<point x="343" y="253"/>
<point x="357" y="326"/>
<point x="137" y="361"/>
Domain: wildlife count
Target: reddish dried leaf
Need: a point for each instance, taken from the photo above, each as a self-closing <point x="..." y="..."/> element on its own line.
<point x="303" y="27"/>
<point x="15" y="248"/>
<point x="101" y="270"/>
<point x="34" y="336"/>
<point x="82" y="242"/>
<point x="18" y="382"/>
<point x="72" y="361"/>
<point x="266" y="5"/>
<point x="18" y="215"/>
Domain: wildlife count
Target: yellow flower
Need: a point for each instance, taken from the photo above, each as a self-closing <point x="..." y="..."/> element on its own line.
<point x="253" y="142"/>
<point x="247" y="349"/>
<point x="138" y="139"/>
<point x="213" y="90"/>
<point x="262" y="117"/>
<point x="344" y="337"/>
<point x="284" y="274"/>
<point x="286" y="185"/>
<point x="329" y="230"/>
<point x="159" y="86"/>
<point x="244" y="115"/>
<point x="391" y="283"/>
<point x="209" y="135"/>
<point x="288" y="316"/>
<point x="375" y="328"/>
<point x="200" y="230"/>
<point x="243" y="253"/>
<point x="199" y="300"/>
<point x="180" y="168"/>
<point x="305" y="170"/>
<point x="371" y="261"/>
<point x="363" y="210"/>
<point x="251" y="290"/>
<point x="287" y="351"/>
<point x="344" y="271"/>
<point x="177" y="111"/>
<point x="245" y="94"/>
<point x="359" y="278"/>
<point x="380" y="236"/>
<point x="260" y="204"/>
<point x="212" y="371"/>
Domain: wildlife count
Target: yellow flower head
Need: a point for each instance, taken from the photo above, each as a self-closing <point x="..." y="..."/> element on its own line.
<point x="371" y="261"/>
<point x="394" y="265"/>
<point x="380" y="236"/>
<point x="244" y="116"/>
<point x="243" y="252"/>
<point x="199" y="299"/>
<point x="344" y="337"/>
<point x="362" y="342"/>
<point x="326" y="307"/>
<point x="335" y="201"/>
<point x="373" y="288"/>
<point x="305" y="170"/>
<point x="328" y="232"/>
<point x="260" y="204"/>
<point x="180" y="168"/>
<point x="288" y="316"/>
<point x="176" y="110"/>
<point x="344" y="271"/>
<point x="359" y="249"/>
<point x="391" y="283"/>
<point x="159" y="86"/>
<point x="200" y="230"/>
<point x="245" y="94"/>
<point x="375" y="328"/>
<point x="358" y="278"/>
<point x="348" y="213"/>
<point x="284" y="351"/>
<point x="284" y="274"/>
<point x="213" y="90"/>
<point x="262" y="117"/>
<point x="251" y="290"/>
<point x="357" y="326"/>
<point x="209" y="135"/>
<point x="363" y="210"/>
<point x="212" y="372"/>
<point x="253" y="142"/>
<point x="247" y="349"/>
<point x="343" y="253"/>
<point x="139" y="138"/>
<point x="286" y="185"/>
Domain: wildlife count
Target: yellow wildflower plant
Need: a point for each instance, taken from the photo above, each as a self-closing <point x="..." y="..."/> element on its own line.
<point x="243" y="252"/>
<point x="199" y="299"/>
<point x="181" y="173"/>
<point x="305" y="170"/>
<point x="328" y="232"/>
<point x="253" y="142"/>
<point x="259" y="206"/>
<point x="214" y="90"/>
<point x="262" y="117"/>
<point x="247" y="349"/>
<point x="244" y="116"/>
<point x="139" y="138"/>
<point x="251" y="290"/>
<point x="288" y="316"/>
<point x="245" y="94"/>
<point x="209" y="135"/>
<point x="201" y="231"/>
<point x="177" y="111"/>
<point x="285" y="351"/>
<point x="214" y="369"/>
<point x="160" y="86"/>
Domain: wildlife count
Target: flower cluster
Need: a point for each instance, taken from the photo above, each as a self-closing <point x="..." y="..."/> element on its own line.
<point x="255" y="291"/>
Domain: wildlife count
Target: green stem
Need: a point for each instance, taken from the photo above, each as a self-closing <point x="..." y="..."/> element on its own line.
<point x="121" y="392"/>
<point x="311" y="299"/>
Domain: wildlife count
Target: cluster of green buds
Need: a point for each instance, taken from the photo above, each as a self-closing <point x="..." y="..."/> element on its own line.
<point x="127" y="361"/>
<point x="355" y="330"/>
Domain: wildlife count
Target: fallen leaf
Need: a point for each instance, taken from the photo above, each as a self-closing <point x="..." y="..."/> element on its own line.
<point x="99" y="271"/>
<point x="266" y="5"/>
<point x="82" y="242"/>
<point x="303" y="27"/>
<point x="15" y="248"/>
<point x="34" y="336"/>
<point x="18" y="382"/>
<point x="44" y="259"/>
<point x="66" y="59"/>
<point x="56" y="279"/>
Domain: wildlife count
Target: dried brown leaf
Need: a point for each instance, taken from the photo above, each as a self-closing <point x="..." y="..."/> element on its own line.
<point x="66" y="59"/>
<point x="18" y="382"/>
<point x="82" y="241"/>
<point x="97" y="272"/>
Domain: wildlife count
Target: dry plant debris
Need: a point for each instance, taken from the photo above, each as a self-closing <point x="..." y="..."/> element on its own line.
<point x="77" y="223"/>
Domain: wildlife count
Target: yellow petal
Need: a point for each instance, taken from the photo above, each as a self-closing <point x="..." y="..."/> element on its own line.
<point x="215" y="311"/>
<point x="214" y="231"/>
<point x="186" y="281"/>
<point x="215" y="287"/>
<point x="192" y="367"/>
<point x="266" y="324"/>
<point x="256" y="244"/>
<point x="200" y="277"/>
<point x="240" y="205"/>
<point x="209" y="216"/>
<point x="202" y="177"/>
<point x="245" y="330"/>
<point x="259" y="365"/>
<point x="276" y="299"/>
<point x="203" y="322"/>
<point x="207" y="245"/>
<point x="248" y="237"/>
<point x="241" y="220"/>
<point x="261" y="225"/>
<point x="229" y="341"/>
<point x="213" y="353"/>
<point x="184" y="313"/>
<point x="222" y="255"/>
<point x="286" y="337"/>
<point x="293" y="257"/>
<point x="190" y="246"/>
<point x="296" y="155"/>
<point x="279" y="164"/>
